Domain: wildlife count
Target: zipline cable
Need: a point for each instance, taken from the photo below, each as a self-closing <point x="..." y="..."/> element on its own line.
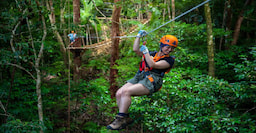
<point x="188" y="11"/>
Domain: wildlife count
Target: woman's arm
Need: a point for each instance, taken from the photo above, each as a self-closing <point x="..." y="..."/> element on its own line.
<point x="162" y="64"/>
<point x="136" y="46"/>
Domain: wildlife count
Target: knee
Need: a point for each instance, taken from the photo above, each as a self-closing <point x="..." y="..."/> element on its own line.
<point x="125" y="92"/>
<point x="118" y="94"/>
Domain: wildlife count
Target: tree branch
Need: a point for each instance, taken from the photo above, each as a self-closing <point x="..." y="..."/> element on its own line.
<point x="31" y="37"/>
<point x="12" y="36"/>
<point x="98" y="9"/>
<point x="22" y="68"/>
<point x="248" y="111"/>
<point x="42" y="44"/>
<point x="2" y="106"/>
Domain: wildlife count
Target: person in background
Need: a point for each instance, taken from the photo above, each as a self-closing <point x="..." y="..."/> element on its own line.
<point x="72" y="37"/>
<point x="148" y="79"/>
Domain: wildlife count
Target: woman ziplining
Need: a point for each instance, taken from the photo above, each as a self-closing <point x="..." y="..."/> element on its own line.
<point x="148" y="79"/>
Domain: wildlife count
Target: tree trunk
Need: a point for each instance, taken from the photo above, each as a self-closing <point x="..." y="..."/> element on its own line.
<point x="115" y="48"/>
<point x="38" y="76"/>
<point x="223" y="22"/>
<point x="168" y="8"/>
<point x="76" y="11"/>
<point x="239" y="23"/>
<point x="228" y="23"/>
<point x="237" y="29"/>
<point x="210" y="44"/>
<point x="77" y="53"/>
<point x="173" y="9"/>
<point x="229" y="15"/>
<point x="164" y="11"/>
<point x="140" y="13"/>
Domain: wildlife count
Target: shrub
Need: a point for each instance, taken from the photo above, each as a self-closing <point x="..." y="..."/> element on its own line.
<point x="192" y="102"/>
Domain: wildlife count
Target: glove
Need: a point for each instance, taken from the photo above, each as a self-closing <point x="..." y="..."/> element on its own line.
<point x="141" y="33"/>
<point x="144" y="49"/>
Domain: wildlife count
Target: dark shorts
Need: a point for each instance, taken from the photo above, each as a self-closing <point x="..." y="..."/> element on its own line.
<point x="141" y="78"/>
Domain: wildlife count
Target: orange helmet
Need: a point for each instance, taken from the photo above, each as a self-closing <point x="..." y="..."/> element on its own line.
<point x="169" y="40"/>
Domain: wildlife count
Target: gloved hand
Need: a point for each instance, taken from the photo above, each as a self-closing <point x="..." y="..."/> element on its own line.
<point x="144" y="49"/>
<point x="141" y="33"/>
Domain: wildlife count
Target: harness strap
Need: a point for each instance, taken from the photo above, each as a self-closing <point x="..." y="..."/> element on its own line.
<point x="147" y="70"/>
<point x="143" y="65"/>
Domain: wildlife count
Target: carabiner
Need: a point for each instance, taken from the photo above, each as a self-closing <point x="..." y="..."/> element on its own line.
<point x="144" y="41"/>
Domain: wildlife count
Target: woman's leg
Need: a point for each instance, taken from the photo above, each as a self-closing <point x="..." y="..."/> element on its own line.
<point x="119" y="92"/>
<point x="123" y="98"/>
<point x="127" y="92"/>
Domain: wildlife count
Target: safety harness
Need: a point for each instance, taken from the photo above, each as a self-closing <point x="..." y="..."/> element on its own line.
<point x="144" y="67"/>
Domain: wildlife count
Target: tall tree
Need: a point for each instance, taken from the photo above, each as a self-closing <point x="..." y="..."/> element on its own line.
<point x="76" y="11"/>
<point x="38" y="75"/>
<point x="210" y="44"/>
<point x="239" y="22"/>
<point x="223" y="22"/>
<point x="37" y="56"/>
<point x="77" y="53"/>
<point x="115" y="47"/>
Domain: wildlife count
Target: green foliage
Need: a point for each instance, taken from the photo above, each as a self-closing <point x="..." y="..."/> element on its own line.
<point x="92" y="127"/>
<point x="86" y="11"/>
<point x="93" y="88"/>
<point x="127" y="66"/>
<point x="20" y="127"/>
<point x="95" y="101"/>
<point x="192" y="102"/>
<point x="245" y="70"/>
<point x="236" y="64"/>
<point x="5" y="56"/>
<point x="222" y="63"/>
<point x="99" y="66"/>
<point x="131" y="10"/>
<point x="22" y="102"/>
